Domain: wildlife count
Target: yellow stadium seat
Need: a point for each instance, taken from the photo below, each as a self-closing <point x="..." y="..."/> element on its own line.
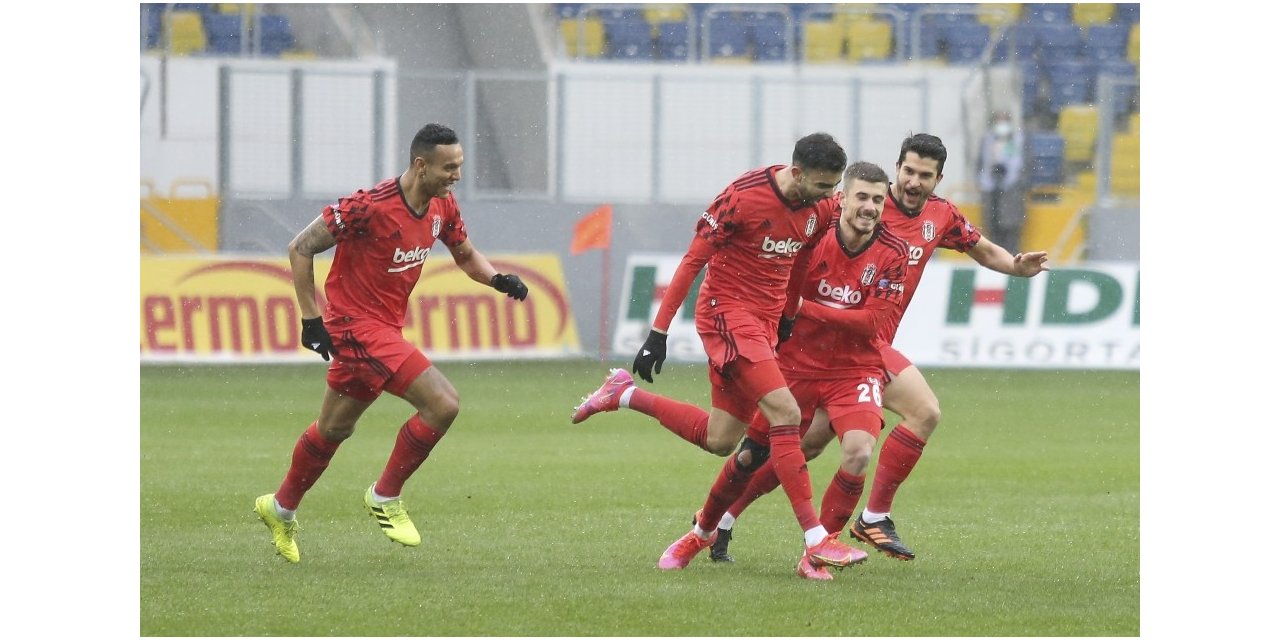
<point x="869" y="40"/>
<point x="1009" y="13"/>
<point x="236" y="8"/>
<point x="1133" y="122"/>
<point x="583" y="37"/>
<point x="823" y="41"/>
<point x="1125" y="164"/>
<point x="659" y="13"/>
<point x="847" y="13"/>
<point x="186" y="32"/>
<point x="1133" y="44"/>
<point x="1087" y="14"/>
<point x="1078" y="126"/>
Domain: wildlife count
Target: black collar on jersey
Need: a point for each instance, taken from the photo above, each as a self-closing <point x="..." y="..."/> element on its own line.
<point x="901" y="209"/>
<point x="875" y="233"/>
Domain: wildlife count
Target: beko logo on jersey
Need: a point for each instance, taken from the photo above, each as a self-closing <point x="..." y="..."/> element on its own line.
<point x="706" y="215"/>
<point x="414" y="257"/>
<point x="843" y="294"/>
<point x="786" y="246"/>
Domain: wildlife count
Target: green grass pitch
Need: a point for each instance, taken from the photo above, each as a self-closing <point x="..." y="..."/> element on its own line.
<point x="1024" y="513"/>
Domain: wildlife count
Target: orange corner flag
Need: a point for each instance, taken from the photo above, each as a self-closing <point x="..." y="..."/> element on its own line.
<point x="593" y="231"/>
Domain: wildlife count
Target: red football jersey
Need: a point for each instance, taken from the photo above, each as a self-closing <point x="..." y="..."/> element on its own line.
<point x="871" y="278"/>
<point x="757" y="234"/>
<point x="939" y="224"/>
<point x="382" y="244"/>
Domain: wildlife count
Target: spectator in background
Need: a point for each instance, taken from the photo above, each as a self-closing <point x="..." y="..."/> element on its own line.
<point x="1000" y="164"/>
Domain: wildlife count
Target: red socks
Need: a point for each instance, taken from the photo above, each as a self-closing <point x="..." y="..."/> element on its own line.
<point x="729" y="485"/>
<point x="793" y="472"/>
<point x="685" y="420"/>
<point x="311" y="456"/>
<point x="840" y="499"/>
<point x="898" y="457"/>
<point x="413" y="444"/>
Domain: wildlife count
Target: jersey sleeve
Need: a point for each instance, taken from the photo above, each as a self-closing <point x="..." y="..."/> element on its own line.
<point x="453" y="231"/>
<point x="719" y="222"/>
<point x="700" y="251"/>
<point x="349" y="216"/>
<point x="960" y="234"/>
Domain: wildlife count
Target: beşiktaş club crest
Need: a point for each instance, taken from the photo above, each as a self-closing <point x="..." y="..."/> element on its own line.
<point x="811" y="225"/>
<point x="435" y="227"/>
<point x="868" y="274"/>
<point x="928" y="231"/>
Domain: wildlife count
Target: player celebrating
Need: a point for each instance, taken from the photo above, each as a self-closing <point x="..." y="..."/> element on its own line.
<point x="754" y="237"/>
<point x="383" y="236"/>
<point x="831" y="362"/>
<point x="926" y="222"/>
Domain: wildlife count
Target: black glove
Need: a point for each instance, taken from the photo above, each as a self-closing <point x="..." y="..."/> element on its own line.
<point x="509" y="284"/>
<point x="316" y="338"/>
<point x="785" y="325"/>
<point x="650" y="356"/>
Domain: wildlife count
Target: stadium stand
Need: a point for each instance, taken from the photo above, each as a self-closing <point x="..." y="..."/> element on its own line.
<point x="1088" y="14"/>
<point x="1106" y="42"/>
<point x="186" y="32"/>
<point x="823" y="41"/>
<point x="1045" y="158"/>
<point x="277" y="34"/>
<point x="225" y="33"/>
<point x="1078" y="126"/>
<point x="869" y="40"/>
<point x="965" y="41"/>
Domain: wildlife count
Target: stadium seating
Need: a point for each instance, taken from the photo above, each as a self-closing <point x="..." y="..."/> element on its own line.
<point x="1045" y="159"/>
<point x="225" y="33"/>
<point x="1106" y="42"/>
<point x="583" y="37"/>
<point x="1078" y="126"/>
<point x="823" y="41"/>
<point x="965" y="41"/>
<point x="727" y="38"/>
<point x="869" y="40"/>
<point x="1032" y="81"/>
<point x="1058" y="41"/>
<point x="659" y="14"/>
<point x="767" y="32"/>
<point x="1125" y="161"/>
<point x="1087" y="14"/>
<point x="1046" y="12"/>
<point x="673" y="41"/>
<point x="1070" y="82"/>
<point x="186" y="32"/>
<point x="1126" y="13"/>
<point x="629" y="37"/>
<point x="1126" y="95"/>
<point x="152" y="14"/>
<point x="1133" y="44"/>
<point x="277" y="34"/>
<point x="1000" y="14"/>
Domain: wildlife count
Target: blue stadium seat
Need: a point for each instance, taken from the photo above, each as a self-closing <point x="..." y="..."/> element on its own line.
<point x="966" y="41"/>
<point x="1052" y="12"/>
<point x="1058" y="41"/>
<point x="224" y="32"/>
<point x="629" y="38"/>
<point x="1106" y="42"/>
<point x="769" y="33"/>
<point x="152" y="15"/>
<point x="726" y="37"/>
<point x="1126" y="13"/>
<point x="277" y="34"/>
<point x="1032" y="77"/>
<point x="1070" y="82"/>
<point x="673" y="41"/>
<point x="568" y="9"/>
<point x="1023" y="39"/>
<point x="1046" y="154"/>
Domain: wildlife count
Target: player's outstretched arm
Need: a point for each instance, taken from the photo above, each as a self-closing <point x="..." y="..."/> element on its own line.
<point x="478" y="268"/>
<point x="997" y="258"/>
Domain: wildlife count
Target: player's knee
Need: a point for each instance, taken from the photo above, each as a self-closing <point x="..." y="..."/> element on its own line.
<point x="857" y="460"/>
<point x="751" y="455"/>
<point x="335" y="431"/>
<point x="719" y="445"/>
<point x="442" y="413"/>
<point x="924" y="418"/>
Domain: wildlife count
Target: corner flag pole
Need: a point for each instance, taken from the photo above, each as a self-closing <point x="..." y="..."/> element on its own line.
<point x="604" y="302"/>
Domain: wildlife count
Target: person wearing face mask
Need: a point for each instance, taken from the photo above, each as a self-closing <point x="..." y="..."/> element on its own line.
<point x="1000" y="165"/>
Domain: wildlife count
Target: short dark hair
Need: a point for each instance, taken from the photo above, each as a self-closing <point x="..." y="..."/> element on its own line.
<point x="865" y="171"/>
<point x="925" y="146"/>
<point x="819" y="151"/>
<point x="428" y="138"/>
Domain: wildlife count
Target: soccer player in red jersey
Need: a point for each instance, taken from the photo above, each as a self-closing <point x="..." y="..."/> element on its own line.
<point x="926" y="222"/>
<point x="383" y="236"/>
<point x="755" y="235"/>
<point x="832" y="362"/>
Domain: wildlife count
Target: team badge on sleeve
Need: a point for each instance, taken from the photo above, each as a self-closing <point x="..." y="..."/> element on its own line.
<point x="435" y="227"/>
<point x="811" y="225"/>
<point x="928" y="231"/>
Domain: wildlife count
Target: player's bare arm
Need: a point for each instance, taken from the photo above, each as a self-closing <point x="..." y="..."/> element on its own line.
<point x="472" y="262"/>
<point x="302" y="252"/>
<point x="997" y="258"/>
